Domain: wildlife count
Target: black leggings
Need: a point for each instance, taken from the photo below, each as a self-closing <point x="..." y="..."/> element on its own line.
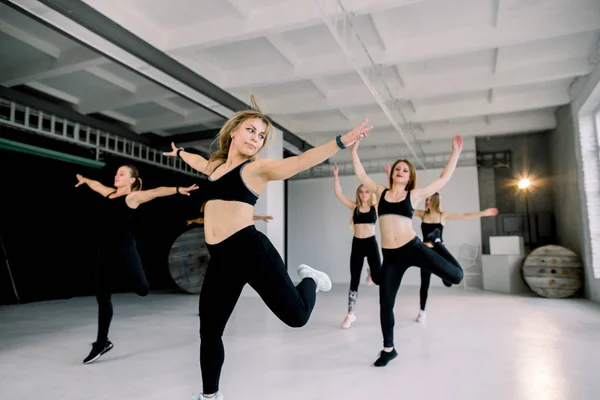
<point x="116" y="258"/>
<point x="362" y="248"/>
<point x="426" y="275"/>
<point x="247" y="256"/>
<point x="395" y="263"/>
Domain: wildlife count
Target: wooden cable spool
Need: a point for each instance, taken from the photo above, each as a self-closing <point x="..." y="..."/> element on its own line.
<point x="553" y="271"/>
<point x="188" y="260"/>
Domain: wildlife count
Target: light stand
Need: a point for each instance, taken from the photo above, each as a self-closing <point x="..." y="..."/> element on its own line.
<point x="524" y="185"/>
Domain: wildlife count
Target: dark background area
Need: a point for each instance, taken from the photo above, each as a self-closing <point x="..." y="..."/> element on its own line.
<point x="48" y="226"/>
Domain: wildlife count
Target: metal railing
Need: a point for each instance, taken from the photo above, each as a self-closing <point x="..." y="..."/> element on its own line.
<point x="32" y="120"/>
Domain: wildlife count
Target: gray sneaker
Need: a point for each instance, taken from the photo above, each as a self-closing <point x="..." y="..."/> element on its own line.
<point x="321" y="278"/>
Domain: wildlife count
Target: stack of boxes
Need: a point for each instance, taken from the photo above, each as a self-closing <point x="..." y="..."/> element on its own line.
<point x="501" y="269"/>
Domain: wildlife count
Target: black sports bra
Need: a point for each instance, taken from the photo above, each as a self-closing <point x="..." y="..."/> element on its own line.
<point x="230" y="187"/>
<point x="428" y="227"/>
<point x="114" y="216"/>
<point x="403" y="208"/>
<point x="368" y="217"/>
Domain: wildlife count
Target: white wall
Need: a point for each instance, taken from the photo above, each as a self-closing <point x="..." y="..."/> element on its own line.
<point x="570" y="145"/>
<point x="318" y="224"/>
<point x="272" y="200"/>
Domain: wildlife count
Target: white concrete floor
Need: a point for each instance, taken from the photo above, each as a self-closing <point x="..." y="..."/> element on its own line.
<point x="475" y="345"/>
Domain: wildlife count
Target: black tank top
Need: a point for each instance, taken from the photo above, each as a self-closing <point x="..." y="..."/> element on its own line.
<point x="368" y="217"/>
<point x="403" y="208"/>
<point x="427" y="227"/>
<point x="230" y="187"/>
<point x="114" y="217"/>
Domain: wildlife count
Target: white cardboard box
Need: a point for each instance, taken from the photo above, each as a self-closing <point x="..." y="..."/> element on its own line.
<point x="502" y="273"/>
<point x="501" y="245"/>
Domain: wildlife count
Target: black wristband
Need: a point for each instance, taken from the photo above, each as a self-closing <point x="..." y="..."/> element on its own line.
<point x="338" y="140"/>
<point x="177" y="189"/>
<point x="179" y="151"/>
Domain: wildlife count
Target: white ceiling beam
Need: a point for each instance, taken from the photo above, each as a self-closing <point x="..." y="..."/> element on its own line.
<point x="437" y="85"/>
<point x="476" y="38"/>
<point x="495" y="13"/>
<point x="30" y="39"/>
<point x="276" y="17"/>
<point x="59" y="94"/>
<point x="112" y="79"/>
<point x="322" y="87"/>
<point x="119" y="117"/>
<point x="144" y="94"/>
<point x="552" y="97"/>
<point x="502" y="125"/>
<point x="203" y="65"/>
<point x="129" y="18"/>
<point x="432" y="46"/>
<point x="241" y="7"/>
<point x="171" y="121"/>
<point x="169" y="105"/>
<point x="495" y="60"/>
<point x="286" y="50"/>
<point x="47" y="67"/>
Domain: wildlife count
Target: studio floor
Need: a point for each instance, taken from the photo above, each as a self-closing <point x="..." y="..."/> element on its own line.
<point x="474" y="345"/>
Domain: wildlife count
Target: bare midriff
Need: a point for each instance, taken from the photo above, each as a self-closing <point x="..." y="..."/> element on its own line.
<point x="396" y="231"/>
<point x="363" y="231"/>
<point x="224" y="218"/>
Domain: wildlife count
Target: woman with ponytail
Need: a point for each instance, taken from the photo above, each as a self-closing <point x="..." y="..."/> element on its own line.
<point x="117" y="252"/>
<point x="364" y="242"/>
<point x="239" y="253"/>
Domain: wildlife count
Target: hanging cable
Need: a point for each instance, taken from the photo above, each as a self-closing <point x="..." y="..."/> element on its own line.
<point x="339" y="38"/>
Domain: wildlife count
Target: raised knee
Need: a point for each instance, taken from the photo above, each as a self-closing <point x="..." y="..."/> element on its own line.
<point x="459" y="277"/>
<point x="298" y="322"/>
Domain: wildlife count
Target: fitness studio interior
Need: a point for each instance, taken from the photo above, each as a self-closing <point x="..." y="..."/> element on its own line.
<point x="194" y="208"/>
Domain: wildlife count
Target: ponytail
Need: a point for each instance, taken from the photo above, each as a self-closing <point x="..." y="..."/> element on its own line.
<point x="137" y="184"/>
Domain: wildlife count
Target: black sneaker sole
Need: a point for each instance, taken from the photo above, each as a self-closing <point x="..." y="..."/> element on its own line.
<point x="106" y="350"/>
<point x="387" y="362"/>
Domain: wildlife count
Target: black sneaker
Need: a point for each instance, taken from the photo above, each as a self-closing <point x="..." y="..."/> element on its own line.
<point x="385" y="357"/>
<point x="98" y="349"/>
<point x="446" y="283"/>
<point x="433" y="235"/>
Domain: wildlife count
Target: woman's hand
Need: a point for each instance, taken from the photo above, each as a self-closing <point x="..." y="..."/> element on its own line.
<point x="80" y="180"/>
<point x="186" y="191"/>
<point x="387" y="168"/>
<point x="490" y="212"/>
<point x="356" y="134"/>
<point x="457" y="144"/>
<point x="173" y="152"/>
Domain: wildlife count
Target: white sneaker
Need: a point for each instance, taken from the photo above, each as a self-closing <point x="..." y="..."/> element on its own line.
<point x="321" y="278"/>
<point x="350" y="318"/>
<point x="421" y="316"/>
<point x="369" y="280"/>
<point x="217" y="396"/>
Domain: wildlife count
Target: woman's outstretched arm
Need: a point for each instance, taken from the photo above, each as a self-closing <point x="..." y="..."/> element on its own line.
<point x="135" y="199"/>
<point x="362" y="176"/>
<point x="94" y="185"/>
<point x="277" y="170"/>
<point x="195" y="161"/>
<point x="435" y="186"/>
<point x="490" y="212"/>
<point x="337" y="189"/>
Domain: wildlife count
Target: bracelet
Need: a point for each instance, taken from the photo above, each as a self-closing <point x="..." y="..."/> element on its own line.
<point x="177" y="190"/>
<point x="338" y="140"/>
<point x="179" y="151"/>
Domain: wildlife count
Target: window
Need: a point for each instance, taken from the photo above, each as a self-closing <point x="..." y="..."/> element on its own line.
<point x="589" y="140"/>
